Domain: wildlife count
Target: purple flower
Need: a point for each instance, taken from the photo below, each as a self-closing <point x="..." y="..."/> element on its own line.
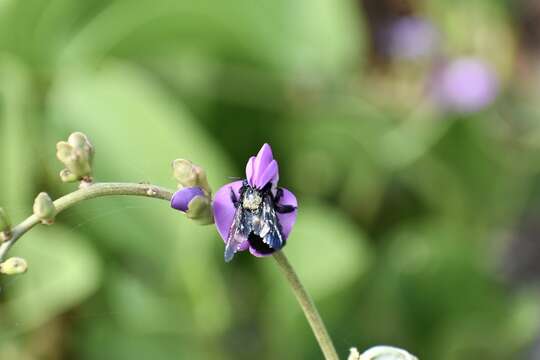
<point x="182" y="198"/>
<point x="465" y="85"/>
<point x="195" y="202"/>
<point x="409" y="38"/>
<point x="255" y="213"/>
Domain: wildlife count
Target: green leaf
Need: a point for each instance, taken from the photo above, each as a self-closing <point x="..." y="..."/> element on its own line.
<point x="63" y="270"/>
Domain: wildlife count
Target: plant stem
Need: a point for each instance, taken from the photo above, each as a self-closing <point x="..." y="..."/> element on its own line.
<point x="308" y="306"/>
<point x="85" y="193"/>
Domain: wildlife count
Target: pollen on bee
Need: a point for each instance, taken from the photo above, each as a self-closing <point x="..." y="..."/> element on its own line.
<point x="252" y="201"/>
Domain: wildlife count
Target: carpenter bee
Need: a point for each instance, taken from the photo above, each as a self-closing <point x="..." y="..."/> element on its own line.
<point x="256" y="220"/>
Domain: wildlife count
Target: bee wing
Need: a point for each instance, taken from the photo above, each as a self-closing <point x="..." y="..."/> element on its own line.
<point x="237" y="234"/>
<point x="271" y="229"/>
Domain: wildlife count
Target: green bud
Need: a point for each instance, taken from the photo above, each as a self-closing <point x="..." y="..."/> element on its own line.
<point x="76" y="154"/>
<point x="200" y="210"/>
<point x="13" y="266"/>
<point x="188" y="174"/>
<point x="44" y="208"/>
<point x="5" y="226"/>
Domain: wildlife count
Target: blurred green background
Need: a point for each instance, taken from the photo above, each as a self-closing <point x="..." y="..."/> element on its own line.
<point x="409" y="130"/>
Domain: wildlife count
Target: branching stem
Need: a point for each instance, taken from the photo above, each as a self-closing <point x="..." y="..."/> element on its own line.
<point x="147" y="190"/>
<point x="85" y="193"/>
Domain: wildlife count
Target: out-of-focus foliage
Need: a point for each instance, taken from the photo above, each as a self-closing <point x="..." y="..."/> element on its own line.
<point x="415" y="211"/>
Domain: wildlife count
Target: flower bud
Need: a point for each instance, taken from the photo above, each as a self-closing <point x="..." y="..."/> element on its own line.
<point x="200" y="210"/>
<point x="44" y="208"/>
<point x="188" y="174"/>
<point x="68" y="176"/>
<point x="13" y="266"/>
<point x="76" y="154"/>
<point x="381" y="353"/>
<point x="5" y="226"/>
<point x="195" y="203"/>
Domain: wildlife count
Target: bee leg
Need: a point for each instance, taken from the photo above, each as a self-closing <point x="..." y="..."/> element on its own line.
<point x="285" y="209"/>
<point x="279" y="194"/>
<point x="234" y="199"/>
<point x="282" y="209"/>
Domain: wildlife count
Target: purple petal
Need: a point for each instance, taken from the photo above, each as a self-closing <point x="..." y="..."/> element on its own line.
<point x="287" y="220"/>
<point x="249" y="169"/>
<point x="264" y="158"/>
<point x="224" y="210"/>
<point x="260" y="165"/>
<point x="267" y="175"/>
<point x="182" y="197"/>
<point x="243" y="246"/>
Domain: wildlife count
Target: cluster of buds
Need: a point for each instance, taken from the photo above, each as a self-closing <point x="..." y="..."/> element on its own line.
<point x="381" y="353"/>
<point x="5" y="226"/>
<point x="76" y="154"/>
<point x="194" y="196"/>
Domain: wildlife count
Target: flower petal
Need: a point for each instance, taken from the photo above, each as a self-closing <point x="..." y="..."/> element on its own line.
<point x="267" y="175"/>
<point x="249" y="169"/>
<point x="264" y="157"/>
<point x="243" y="246"/>
<point x="261" y="162"/>
<point x="287" y="220"/>
<point x="182" y="197"/>
<point x="224" y="210"/>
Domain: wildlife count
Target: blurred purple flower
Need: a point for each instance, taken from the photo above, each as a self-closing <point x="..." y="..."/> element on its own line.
<point x="409" y="38"/>
<point x="243" y="209"/>
<point x="465" y="85"/>
<point x="182" y="198"/>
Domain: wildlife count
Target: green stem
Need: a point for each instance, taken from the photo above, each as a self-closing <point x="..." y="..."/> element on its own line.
<point x="85" y="193"/>
<point x="308" y="306"/>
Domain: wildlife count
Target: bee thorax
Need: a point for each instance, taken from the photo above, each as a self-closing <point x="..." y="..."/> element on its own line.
<point x="252" y="201"/>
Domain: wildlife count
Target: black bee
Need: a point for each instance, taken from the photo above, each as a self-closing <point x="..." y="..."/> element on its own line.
<point x="256" y="221"/>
